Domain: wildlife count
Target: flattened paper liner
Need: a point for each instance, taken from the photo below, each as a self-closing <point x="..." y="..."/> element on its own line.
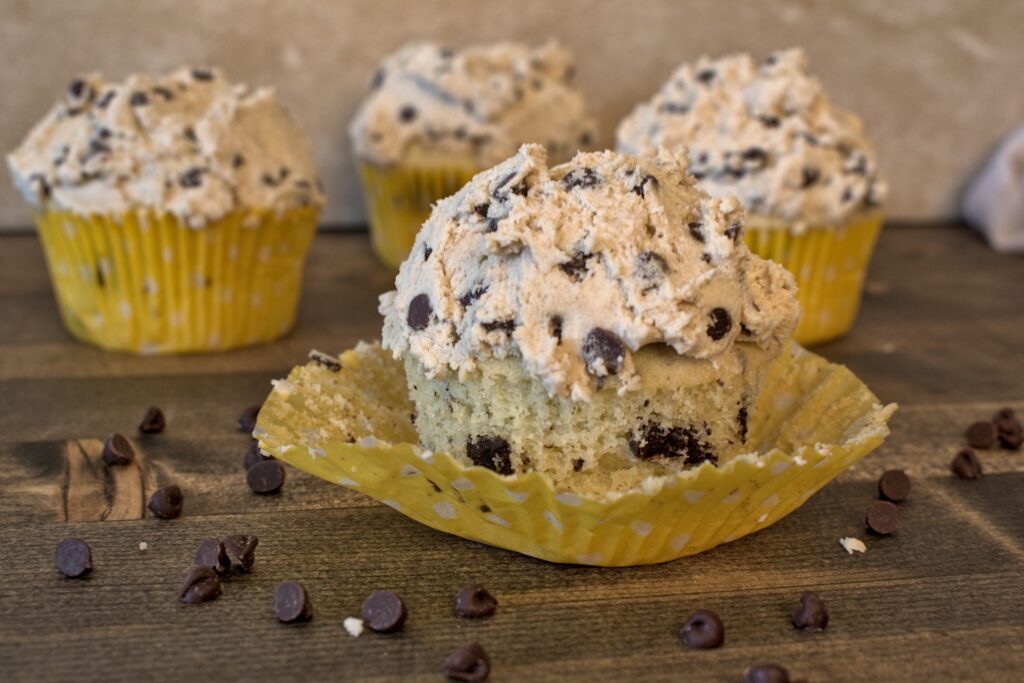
<point x="399" y="200"/>
<point x="829" y="264"/>
<point x="353" y="428"/>
<point x="146" y="283"/>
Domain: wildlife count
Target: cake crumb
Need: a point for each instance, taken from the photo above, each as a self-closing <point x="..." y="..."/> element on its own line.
<point x="850" y="544"/>
<point x="143" y="545"/>
<point x="354" y="626"/>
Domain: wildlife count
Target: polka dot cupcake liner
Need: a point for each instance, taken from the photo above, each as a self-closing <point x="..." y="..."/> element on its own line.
<point x="399" y="200"/>
<point x="146" y="283"/>
<point x="829" y="264"/>
<point x="352" y="427"/>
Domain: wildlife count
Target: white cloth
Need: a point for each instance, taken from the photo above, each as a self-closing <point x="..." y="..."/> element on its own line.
<point x="994" y="201"/>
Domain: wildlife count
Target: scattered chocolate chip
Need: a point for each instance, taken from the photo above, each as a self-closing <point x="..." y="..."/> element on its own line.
<point x="883" y="518"/>
<point x="847" y="195"/>
<point x="674" y="108"/>
<point x="507" y="326"/>
<point x="237" y="160"/>
<point x="576" y="268"/>
<point x="770" y="121"/>
<point x="555" y="327"/>
<point x="427" y="251"/>
<point x="721" y="323"/>
<point x="469" y="664"/>
<point x="211" y="553"/>
<point x="202" y="74"/>
<point x="894" y="486"/>
<point x="377" y="80"/>
<point x="482" y="209"/>
<point x="982" y="435"/>
<point x="641" y="187"/>
<point x="325" y="360"/>
<point x="407" y="114"/>
<point x="650" y="267"/>
<point x="653" y="440"/>
<point x="765" y="673"/>
<point x="696" y="231"/>
<point x="201" y="584"/>
<point x="706" y="75"/>
<point x="79" y="89"/>
<point x="384" y="612"/>
<point x="472" y="295"/>
<point x="138" y="99"/>
<point x="603" y="352"/>
<point x="474" y="602"/>
<point x="291" y="603"/>
<point x="117" y="450"/>
<point x="420" y="311"/>
<point x="703" y="631"/>
<point x="247" y="420"/>
<point x="190" y="134"/>
<point x="583" y="178"/>
<point x="253" y="455"/>
<point x="966" y="464"/>
<point x="241" y="549"/>
<point x="166" y="503"/>
<point x="741" y="420"/>
<point x="811" y="615"/>
<point x="1008" y="429"/>
<point x="809" y="176"/>
<point x="73" y="557"/>
<point x="192" y="178"/>
<point x="153" y="421"/>
<point x="164" y="93"/>
<point x="265" y="477"/>
<point x="492" y="225"/>
<point x="106" y="99"/>
<point x="577" y="464"/>
<point x="492" y="452"/>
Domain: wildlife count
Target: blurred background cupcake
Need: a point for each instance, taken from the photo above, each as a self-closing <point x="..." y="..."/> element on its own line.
<point x="767" y="133"/>
<point x="436" y="116"/>
<point x="175" y="212"/>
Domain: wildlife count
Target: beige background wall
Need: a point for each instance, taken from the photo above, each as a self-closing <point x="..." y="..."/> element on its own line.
<point x="938" y="81"/>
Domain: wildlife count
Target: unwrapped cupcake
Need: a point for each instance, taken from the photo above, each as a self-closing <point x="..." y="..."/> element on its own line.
<point x="175" y="212"/>
<point x="436" y="116"/>
<point x="805" y="171"/>
<point x="583" y="363"/>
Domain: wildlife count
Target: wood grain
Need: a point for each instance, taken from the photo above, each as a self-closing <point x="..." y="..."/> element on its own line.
<point x="942" y="600"/>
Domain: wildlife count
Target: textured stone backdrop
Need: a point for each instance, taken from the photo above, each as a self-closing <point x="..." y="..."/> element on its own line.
<point x="938" y="81"/>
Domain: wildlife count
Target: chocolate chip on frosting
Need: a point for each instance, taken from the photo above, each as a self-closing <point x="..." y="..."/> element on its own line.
<point x="603" y="352"/>
<point x="138" y="99"/>
<point x="582" y="178"/>
<point x="419" y="313"/>
<point x="721" y="323"/>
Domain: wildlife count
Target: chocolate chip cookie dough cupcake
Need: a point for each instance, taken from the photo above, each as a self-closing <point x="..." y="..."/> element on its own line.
<point x="767" y="133"/>
<point x="175" y="212"/>
<point x="435" y="116"/>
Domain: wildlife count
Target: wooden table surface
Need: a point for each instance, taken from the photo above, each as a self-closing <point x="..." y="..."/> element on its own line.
<point x="940" y="332"/>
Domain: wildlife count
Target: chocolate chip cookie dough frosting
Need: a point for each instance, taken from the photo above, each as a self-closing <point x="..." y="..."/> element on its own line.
<point x="190" y="143"/>
<point x="478" y="103"/>
<point x="572" y="269"/>
<point x="765" y="132"/>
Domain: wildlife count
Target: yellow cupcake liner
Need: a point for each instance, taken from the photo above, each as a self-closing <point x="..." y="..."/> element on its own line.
<point x="399" y="200"/>
<point x="829" y="264"/>
<point x="145" y="282"/>
<point x="813" y="420"/>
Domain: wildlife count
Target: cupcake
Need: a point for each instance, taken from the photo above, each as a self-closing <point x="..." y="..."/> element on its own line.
<point x="582" y="363"/>
<point x="175" y="212"/>
<point x="803" y="168"/>
<point x="436" y="116"/>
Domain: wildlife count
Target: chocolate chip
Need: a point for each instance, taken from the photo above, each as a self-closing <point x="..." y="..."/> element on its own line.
<point x="982" y="435"/>
<point x="576" y="268"/>
<point x="201" y="584"/>
<point x="469" y="664"/>
<point x="192" y="178"/>
<point x="241" y="550"/>
<point x="202" y="74"/>
<point x="384" y="612"/>
<point x="73" y="557"/>
<point x="237" y="161"/>
<point x="474" y="602"/>
<point x="117" y="450"/>
<point x="641" y="187"/>
<point x="325" y="360"/>
<point x="674" y="108"/>
<point x="164" y="93"/>
<point x="496" y="192"/>
<point x="407" y="114"/>
<point x="492" y="225"/>
<point x="291" y="603"/>
<point x="472" y="295"/>
<point x="765" y="673"/>
<point x="555" y="323"/>
<point x="583" y="178"/>
<point x="1008" y="429"/>
<point x="966" y="465"/>
<point x="80" y="90"/>
<point x="703" y="631"/>
<point x="811" y="615"/>
<point x="482" y="209"/>
<point x="696" y="231"/>
<point x="153" y="421"/>
<point x="420" y="311"/>
<point x="894" y="486"/>
<point x="211" y="553"/>
<point x="603" y="352"/>
<point x="809" y="176"/>
<point x="883" y="518"/>
<point x="253" y="455"/>
<point x="492" y="452"/>
<point x="166" y="503"/>
<point x="741" y="420"/>
<point x="577" y="464"/>
<point x="650" y="267"/>
<point x="706" y="75"/>
<point x="721" y="323"/>
<point x="653" y="440"/>
<point x="427" y="251"/>
<point x="190" y="134"/>
<point x="507" y="326"/>
<point x="378" y="79"/>
<point x="265" y="477"/>
<point x="106" y="99"/>
<point x="138" y="99"/>
<point x="769" y="121"/>
<point x="247" y="420"/>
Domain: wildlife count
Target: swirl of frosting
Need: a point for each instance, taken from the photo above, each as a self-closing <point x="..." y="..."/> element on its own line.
<point x="766" y="133"/>
<point x="190" y="143"/>
<point x="574" y="267"/>
<point x="476" y="104"/>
